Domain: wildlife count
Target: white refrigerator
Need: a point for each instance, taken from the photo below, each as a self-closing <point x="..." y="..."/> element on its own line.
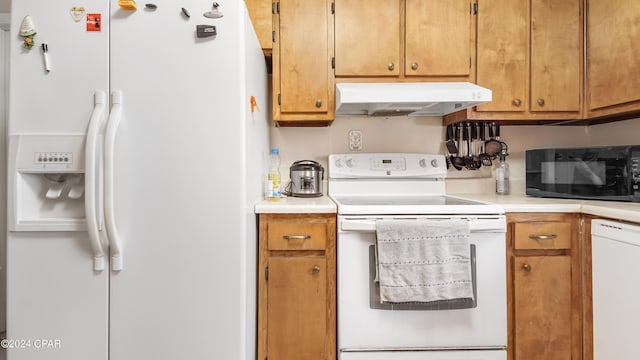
<point x="134" y="165"/>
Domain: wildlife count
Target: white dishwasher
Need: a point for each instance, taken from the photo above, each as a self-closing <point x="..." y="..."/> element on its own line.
<point x="616" y="290"/>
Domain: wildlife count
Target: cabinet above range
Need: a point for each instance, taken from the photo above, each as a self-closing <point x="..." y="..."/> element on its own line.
<point x="404" y="40"/>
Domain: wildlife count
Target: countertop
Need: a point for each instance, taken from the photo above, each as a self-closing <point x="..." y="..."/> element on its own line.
<point x="625" y="211"/>
<point x="511" y="203"/>
<point x="297" y="205"/>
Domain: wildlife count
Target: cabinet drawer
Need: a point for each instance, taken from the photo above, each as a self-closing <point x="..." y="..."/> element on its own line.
<point x="296" y="236"/>
<point x="542" y="235"/>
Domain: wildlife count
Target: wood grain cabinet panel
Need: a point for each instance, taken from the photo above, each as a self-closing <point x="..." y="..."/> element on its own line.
<point x="367" y="37"/>
<point x="503" y="53"/>
<point x="404" y="40"/>
<point x="544" y="285"/>
<point x="437" y="38"/>
<point x="297" y="308"/>
<point x="542" y="235"/>
<point x="297" y="287"/>
<point x="531" y="59"/>
<point x="613" y="57"/>
<point x="542" y="306"/>
<point x="293" y="236"/>
<point x="556" y="56"/>
<point x="260" y="14"/>
<point x="303" y="78"/>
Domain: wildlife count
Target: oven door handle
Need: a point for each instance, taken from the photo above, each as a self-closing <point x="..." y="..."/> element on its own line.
<point x="475" y="225"/>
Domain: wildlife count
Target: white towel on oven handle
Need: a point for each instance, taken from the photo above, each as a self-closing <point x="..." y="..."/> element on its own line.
<point x="423" y="260"/>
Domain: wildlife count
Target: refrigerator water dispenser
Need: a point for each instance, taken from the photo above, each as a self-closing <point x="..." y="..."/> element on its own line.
<point x="46" y="183"/>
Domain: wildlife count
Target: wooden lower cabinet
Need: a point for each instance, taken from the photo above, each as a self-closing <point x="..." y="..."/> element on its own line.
<point x="544" y="286"/>
<point x="296" y="287"/>
<point x="542" y="307"/>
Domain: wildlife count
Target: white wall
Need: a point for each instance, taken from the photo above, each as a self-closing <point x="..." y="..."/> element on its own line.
<point x="379" y="134"/>
<point x="425" y="134"/>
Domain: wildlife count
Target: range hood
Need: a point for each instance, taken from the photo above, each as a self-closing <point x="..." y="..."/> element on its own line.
<point x="412" y="99"/>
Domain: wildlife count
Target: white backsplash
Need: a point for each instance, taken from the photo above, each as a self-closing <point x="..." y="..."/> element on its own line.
<point x="426" y="134"/>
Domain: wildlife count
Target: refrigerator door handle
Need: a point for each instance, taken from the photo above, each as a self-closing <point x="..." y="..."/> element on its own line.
<point x="91" y="175"/>
<point x="109" y="150"/>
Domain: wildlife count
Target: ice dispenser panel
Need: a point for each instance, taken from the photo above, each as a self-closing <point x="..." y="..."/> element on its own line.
<point x="46" y="183"/>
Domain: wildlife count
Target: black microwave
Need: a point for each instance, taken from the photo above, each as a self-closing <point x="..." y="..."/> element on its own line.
<point x="596" y="173"/>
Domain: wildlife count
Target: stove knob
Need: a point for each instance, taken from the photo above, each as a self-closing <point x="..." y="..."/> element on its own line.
<point x="434" y="163"/>
<point x="339" y="163"/>
<point x="350" y="163"/>
<point x="423" y="163"/>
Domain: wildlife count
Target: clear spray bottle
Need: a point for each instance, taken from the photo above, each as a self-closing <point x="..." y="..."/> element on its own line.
<point x="502" y="175"/>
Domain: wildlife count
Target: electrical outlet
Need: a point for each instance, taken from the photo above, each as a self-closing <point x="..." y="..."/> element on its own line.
<point x="355" y="140"/>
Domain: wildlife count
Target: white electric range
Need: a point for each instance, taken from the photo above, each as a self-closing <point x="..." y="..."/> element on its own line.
<point x="372" y="187"/>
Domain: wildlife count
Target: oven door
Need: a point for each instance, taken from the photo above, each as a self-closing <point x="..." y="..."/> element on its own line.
<point x="412" y="333"/>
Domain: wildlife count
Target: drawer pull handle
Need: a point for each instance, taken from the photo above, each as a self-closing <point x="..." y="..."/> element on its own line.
<point x="526" y="267"/>
<point x="296" y="237"/>
<point x="542" y="237"/>
<point x="316" y="270"/>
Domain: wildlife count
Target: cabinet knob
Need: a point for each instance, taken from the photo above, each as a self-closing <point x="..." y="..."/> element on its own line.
<point x="526" y="267"/>
<point x="541" y="102"/>
<point x="316" y="270"/>
<point x="517" y="102"/>
<point x="391" y="66"/>
<point x="414" y="66"/>
<point x="318" y="103"/>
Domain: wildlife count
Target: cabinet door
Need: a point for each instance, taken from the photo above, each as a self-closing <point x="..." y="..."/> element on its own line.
<point x="556" y="38"/>
<point x="438" y="35"/>
<point x="260" y="13"/>
<point x="297" y="309"/>
<point x="542" y="307"/>
<point x="303" y="83"/>
<point x="613" y="54"/>
<point x="367" y="37"/>
<point x="502" y="53"/>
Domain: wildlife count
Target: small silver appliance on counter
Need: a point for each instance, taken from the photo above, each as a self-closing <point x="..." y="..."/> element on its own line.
<point x="306" y="179"/>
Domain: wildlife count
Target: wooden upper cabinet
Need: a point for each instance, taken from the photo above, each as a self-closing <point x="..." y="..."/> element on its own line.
<point x="260" y="14"/>
<point x="613" y="56"/>
<point x="556" y="60"/>
<point x="502" y="53"/>
<point x="530" y="54"/>
<point x="367" y="37"/>
<point x="303" y="85"/>
<point x="401" y="39"/>
<point x="438" y="36"/>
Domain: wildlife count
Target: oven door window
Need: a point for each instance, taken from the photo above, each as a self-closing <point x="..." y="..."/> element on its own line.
<point x="376" y="303"/>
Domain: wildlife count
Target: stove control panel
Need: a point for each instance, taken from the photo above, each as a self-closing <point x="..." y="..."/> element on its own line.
<point x="390" y="163"/>
<point x="387" y="165"/>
